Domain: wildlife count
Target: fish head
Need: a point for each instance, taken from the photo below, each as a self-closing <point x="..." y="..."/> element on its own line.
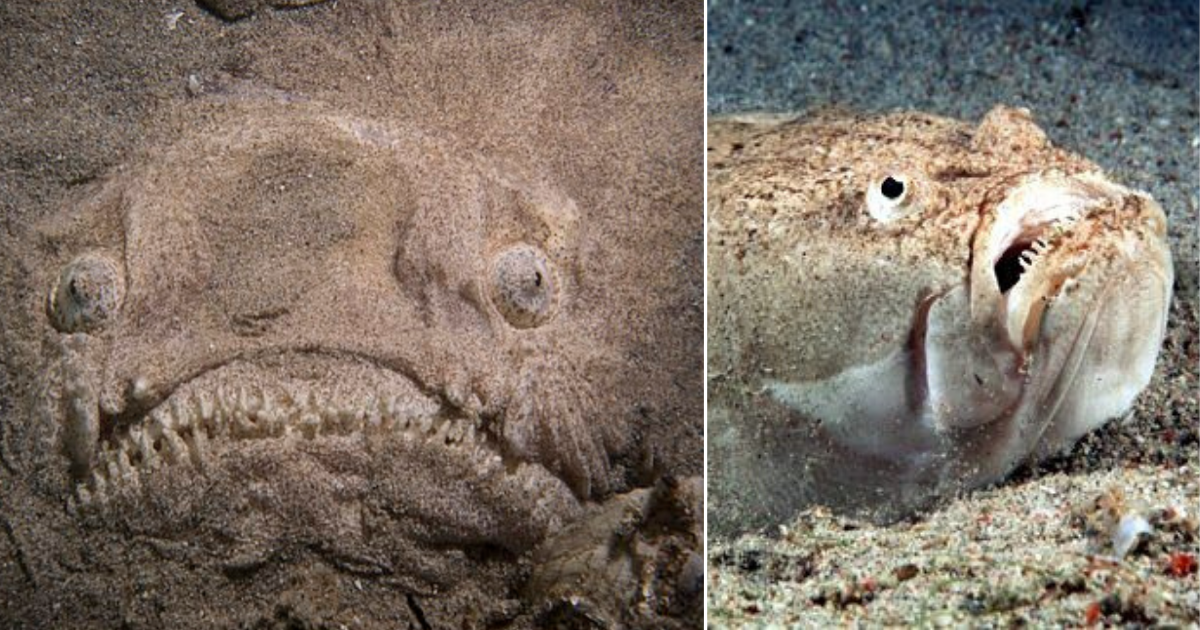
<point x="294" y="324"/>
<point x="904" y="306"/>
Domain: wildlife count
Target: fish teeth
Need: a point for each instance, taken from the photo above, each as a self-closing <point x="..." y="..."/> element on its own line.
<point x="444" y="430"/>
<point x="223" y="400"/>
<point x="310" y="424"/>
<point x="454" y="435"/>
<point x="269" y="410"/>
<point x="179" y="411"/>
<point x="124" y="466"/>
<point x="374" y="420"/>
<point x="112" y="469"/>
<point x="199" y="445"/>
<point x="301" y="397"/>
<point x="181" y="429"/>
<point x="99" y="483"/>
<point x="207" y="406"/>
<point x="142" y="443"/>
<point x="162" y="418"/>
<point x="176" y="449"/>
<point x="251" y="399"/>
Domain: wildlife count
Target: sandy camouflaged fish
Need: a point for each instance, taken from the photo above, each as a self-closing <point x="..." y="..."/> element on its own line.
<point x="903" y="306"/>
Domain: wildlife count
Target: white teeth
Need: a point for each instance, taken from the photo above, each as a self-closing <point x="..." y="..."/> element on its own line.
<point x="443" y="431"/>
<point x="298" y="396"/>
<point x="241" y="422"/>
<point x="455" y="433"/>
<point x="220" y="400"/>
<point x="246" y="400"/>
<point x="207" y="407"/>
<point x="163" y="419"/>
<point x="310" y="418"/>
<point x="124" y="466"/>
<point x="200" y="445"/>
<point x="111" y="466"/>
<point x="99" y="482"/>
<point x="175" y="449"/>
<point x="191" y="427"/>
<point x="140" y="443"/>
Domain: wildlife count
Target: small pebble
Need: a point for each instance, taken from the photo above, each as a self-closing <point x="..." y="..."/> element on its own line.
<point x="1131" y="527"/>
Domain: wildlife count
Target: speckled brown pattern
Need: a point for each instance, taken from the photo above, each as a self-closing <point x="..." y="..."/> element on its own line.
<point x="867" y="354"/>
<point x="364" y="315"/>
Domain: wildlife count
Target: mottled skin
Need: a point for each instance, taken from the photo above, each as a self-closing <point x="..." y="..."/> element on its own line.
<point x="873" y="354"/>
<point x="444" y="391"/>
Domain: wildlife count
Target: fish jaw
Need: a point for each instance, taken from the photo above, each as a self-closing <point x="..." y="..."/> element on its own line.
<point x="1071" y="279"/>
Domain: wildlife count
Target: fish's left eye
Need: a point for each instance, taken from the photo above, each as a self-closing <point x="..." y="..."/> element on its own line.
<point x="86" y="294"/>
<point x="889" y="198"/>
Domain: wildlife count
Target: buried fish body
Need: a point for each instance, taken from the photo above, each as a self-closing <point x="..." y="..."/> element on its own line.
<point x="904" y="306"/>
<point x="294" y="344"/>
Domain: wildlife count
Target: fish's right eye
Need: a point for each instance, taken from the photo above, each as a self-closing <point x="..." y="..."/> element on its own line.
<point x="892" y="188"/>
<point x="523" y="286"/>
<point x="890" y="198"/>
<point x="86" y="294"/>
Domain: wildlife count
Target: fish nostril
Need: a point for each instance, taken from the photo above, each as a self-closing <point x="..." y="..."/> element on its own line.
<point x="1012" y="264"/>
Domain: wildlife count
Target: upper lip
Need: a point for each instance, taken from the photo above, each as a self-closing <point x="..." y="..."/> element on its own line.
<point x="1039" y="216"/>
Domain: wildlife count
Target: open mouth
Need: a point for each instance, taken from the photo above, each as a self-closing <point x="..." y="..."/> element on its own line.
<point x="289" y="398"/>
<point x="1034" y="227"/>
<point x="1023" y="235"/>
<point x="1038" y="234"/>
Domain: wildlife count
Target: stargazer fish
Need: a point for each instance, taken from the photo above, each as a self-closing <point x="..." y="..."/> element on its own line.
<point x="904" y="306"/>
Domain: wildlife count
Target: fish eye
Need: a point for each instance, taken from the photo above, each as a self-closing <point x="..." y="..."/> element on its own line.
<point x="86" y="294"/>
<point x="523" y="286"/>
<point x="890" y="198"/>
<point x="892" y="188"/>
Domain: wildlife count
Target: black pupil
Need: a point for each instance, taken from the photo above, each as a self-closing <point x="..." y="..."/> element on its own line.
<point x="892" y="189"/>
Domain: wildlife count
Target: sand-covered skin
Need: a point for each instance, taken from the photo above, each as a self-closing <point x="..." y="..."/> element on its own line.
<point x="315" y="204"/>
<point x="1112" y="82"/>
